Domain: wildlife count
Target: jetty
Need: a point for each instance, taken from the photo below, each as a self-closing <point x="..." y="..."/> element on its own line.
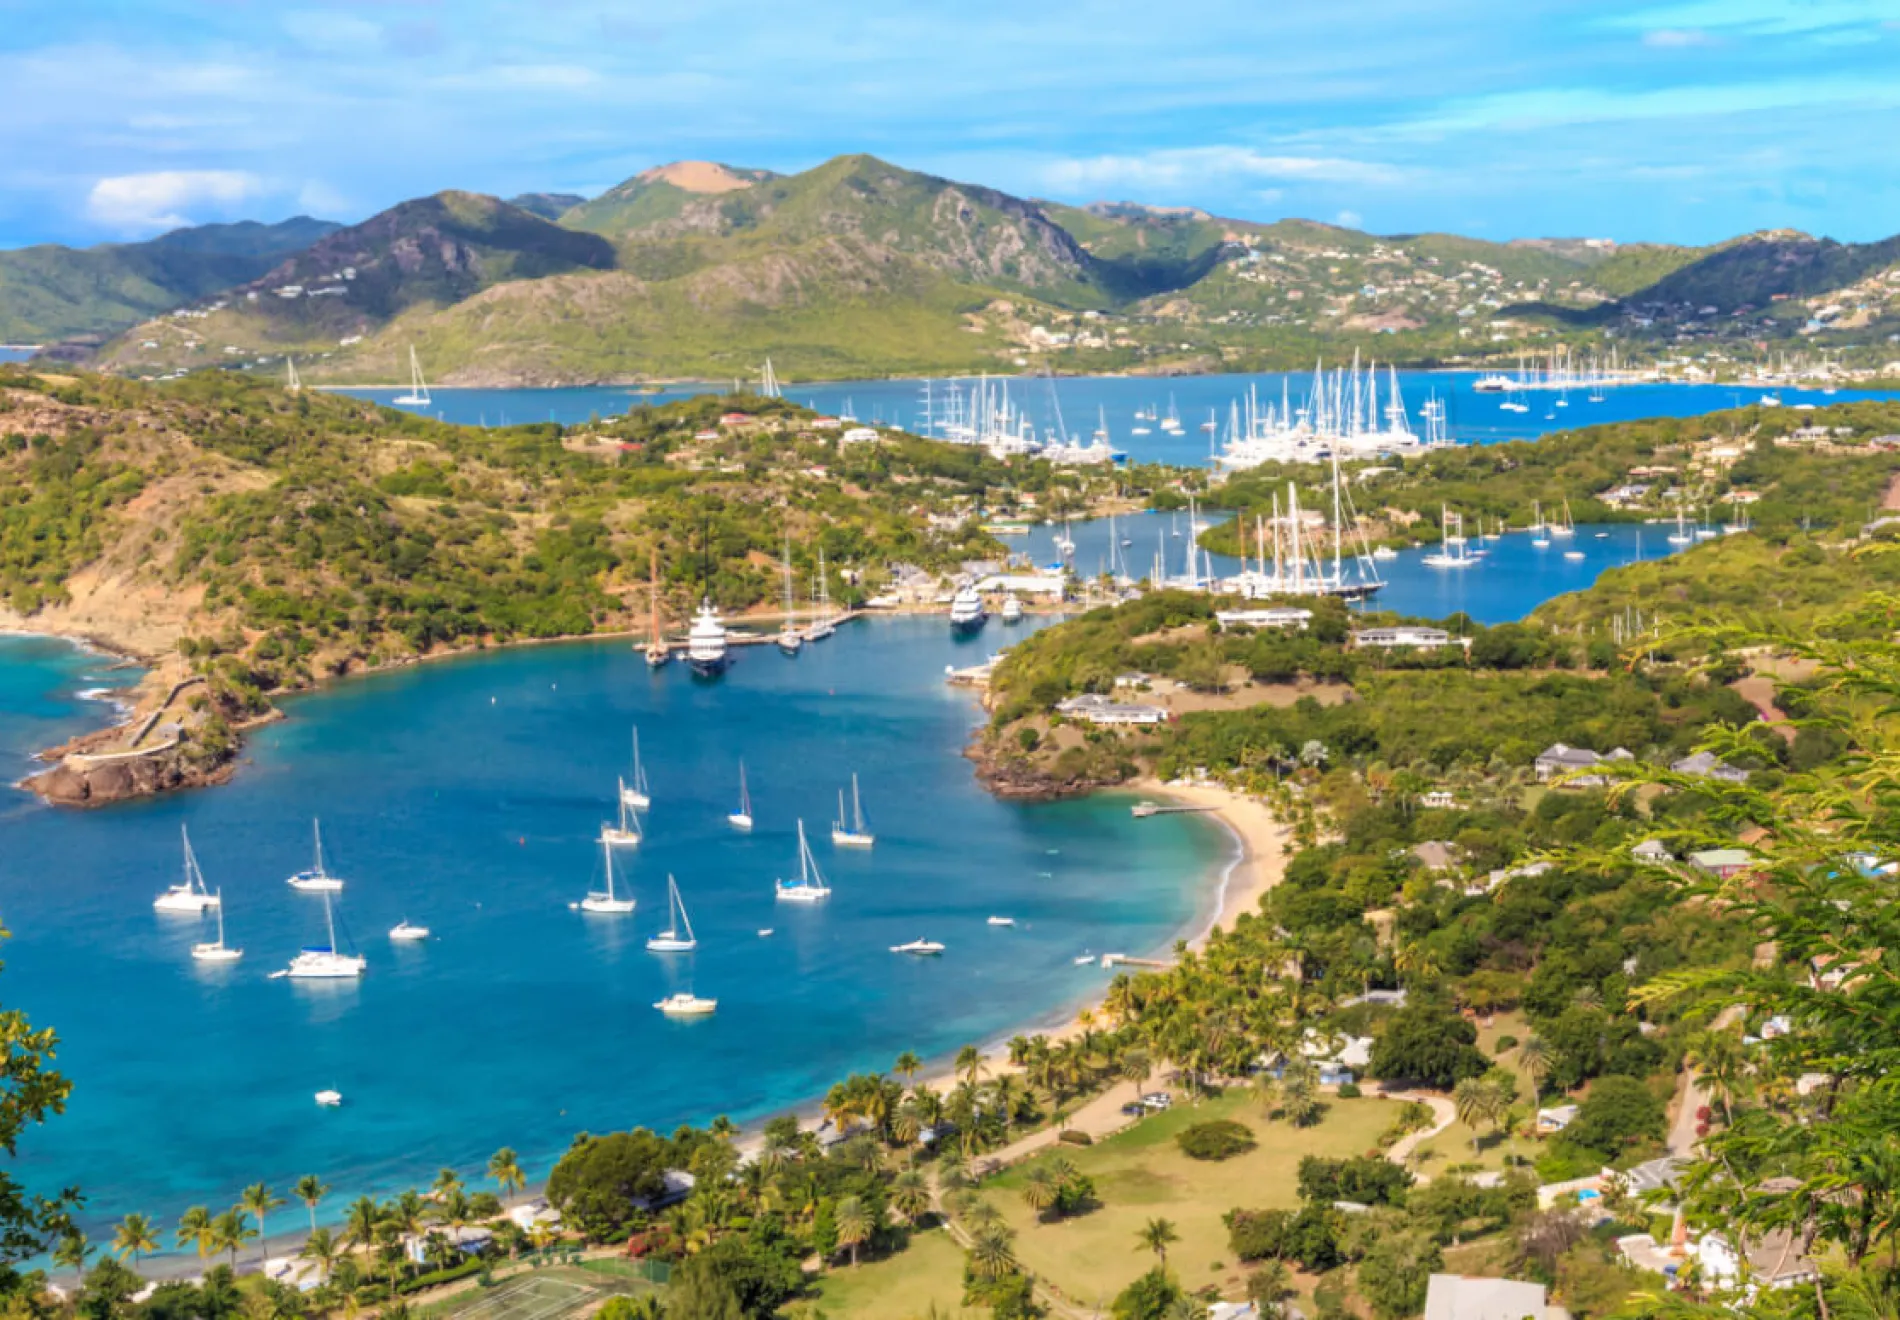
<point x="1143" y="810"/>
<point x="1124" y="960"/>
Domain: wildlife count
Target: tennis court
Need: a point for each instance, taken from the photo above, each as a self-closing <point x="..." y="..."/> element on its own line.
<point x="537" y="1296"/>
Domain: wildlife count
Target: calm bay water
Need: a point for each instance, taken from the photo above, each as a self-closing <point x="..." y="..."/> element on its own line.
<point x="1471" y="418"/>
<point x="466" y="795"/>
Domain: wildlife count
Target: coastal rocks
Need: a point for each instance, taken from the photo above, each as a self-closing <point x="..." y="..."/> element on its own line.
<point x="1025" y="779"/>
<point x="75" y="783"/>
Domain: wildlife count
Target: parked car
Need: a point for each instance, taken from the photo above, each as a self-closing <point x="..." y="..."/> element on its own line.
<point x="1157" y="1100"/>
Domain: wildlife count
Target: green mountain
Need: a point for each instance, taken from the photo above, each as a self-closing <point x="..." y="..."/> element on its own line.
<point x="547" y="205"/>
<point x="49" y="292"/>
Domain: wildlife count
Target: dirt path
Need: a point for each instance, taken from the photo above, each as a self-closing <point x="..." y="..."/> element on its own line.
<point x="1443" y="1116"/>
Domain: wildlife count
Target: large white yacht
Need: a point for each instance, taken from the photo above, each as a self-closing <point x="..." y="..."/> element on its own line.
<point x="967" y="614"/>
<point x="324" y="962"/>
<point x="706" y="648"/>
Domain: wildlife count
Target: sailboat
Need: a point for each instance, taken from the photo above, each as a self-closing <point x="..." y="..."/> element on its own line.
<point x="810" y="887"/>
<point x="790" y="640"/>
<point x="635" y="794"/>
<point x="292" y="385"/>
<point x="742" y="818"/>
<point x="1455" y="553"/>
<point x="609" y="903"/>
<point x="324" y="962"/>
<point x="678" y="936"/>
<point x="189" y="894"/>
<point x="219" y="951"/>
<point x="854" y="836"/>
<point x="1681" y="536"/>
<point x="1568" y="526"/>
<point x="625" y="833"/>
<point x="1172" y="422"/>
<point x="1065" y="543"/>
<point x="658" y="652"/>
<point x="316" y="880"/>
<point x="821" y="624"/>
<point x="418" y="395"/>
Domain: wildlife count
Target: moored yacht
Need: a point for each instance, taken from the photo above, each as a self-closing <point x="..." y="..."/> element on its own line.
<point x="637" y="794"/>
<point x="324" y="962"/>
<point x="686" y="1004"/>
<point x="920" y="948"/>
<point x="706" y="650"/>
<point x="407" y="932"/>
<point x="1012" y="609"/>
<point x="218" y="951"/>
<point x="967" y="614"/>
<point x="189" y="894"/>
<point x="316" y="880"/>
<point x="742" y="818"/>
<point x="625" y="833"/>
<point x="678" y="936"/>
<point x="850" y="832"/>
<point x="609" y="903"/>
<point x="810" y="887"/>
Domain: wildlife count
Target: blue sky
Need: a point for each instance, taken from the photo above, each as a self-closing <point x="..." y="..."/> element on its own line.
<point x="1674" y="120"/>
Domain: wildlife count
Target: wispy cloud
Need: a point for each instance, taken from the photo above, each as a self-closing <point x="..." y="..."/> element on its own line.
<point x="1677" y="38"/>
<point x="142" y="203"/>
<point x="1176" y="167"/>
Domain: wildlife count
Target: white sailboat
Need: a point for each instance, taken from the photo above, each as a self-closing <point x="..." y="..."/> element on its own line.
<point x="919" y="948"/>
<point x="678" y="936"/>
<point x="189" y="894"/>
<point x="1455" y="552"/>
<point x="742" y="818"/>
<point x="1681" y="536"/>
<point x="1567" y="527"/>
<point x="636" y="794"/>
<point x="324" y="962"/>
<point x="853" y="835"/>
<point x="687" y="1004"/>
<point x="609" y="903"/>
<point x="790" y="640"/>
<point x="418" y="395"/>
<point x="292" y="385"/>
<point x="624" y="833"/>
<point x="810" y="887"/>
<point x="821" y="625"/>
<point x="218" y="951"/>
<point x="316" y="880"/>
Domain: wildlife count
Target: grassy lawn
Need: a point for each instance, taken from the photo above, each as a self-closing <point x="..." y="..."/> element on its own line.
<point x="1141" y="1174"/>
<point x="902" y="1287"/>
<point x="1452" y="1147"/>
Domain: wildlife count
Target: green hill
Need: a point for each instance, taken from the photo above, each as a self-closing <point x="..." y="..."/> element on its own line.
<point x="49" y="292"/>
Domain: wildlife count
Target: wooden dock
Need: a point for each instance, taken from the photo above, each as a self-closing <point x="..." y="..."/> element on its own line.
<point x="1143" y="810"/>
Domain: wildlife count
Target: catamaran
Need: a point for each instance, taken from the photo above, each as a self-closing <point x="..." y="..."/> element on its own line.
<point x="625" y="832"/>
<point x="742" y="818"/>
<point x="324" y="962"/>
<point x="678" y="936"/>
<point x="608" y="903"/>
<point x="418" y="395"/>
<point x="810" y="887"/>
<point x="636" y="794"/>
<point x="790" y="640"/>
<point x="854" y="835"/>
<point x="219" y="951"/>
<point x="316" y="880"/>
<point x="189" y="894"/>
<point x="821" y="625"/>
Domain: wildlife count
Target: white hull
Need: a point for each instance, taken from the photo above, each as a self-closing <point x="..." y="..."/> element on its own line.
<point x="619" y="838"/>
<point x="407" y="934"/>
<point x="193" y="903"/>
<point x="819" y="631"/>
<point x="668" y="942"/>
<point x="803" y="893"/>
<point x="687" y="1006"/>
<point x="315" y="884"/>
<point x="739" y="820"/>
<point x="316" y="966"/>
<point x="791" y="643"/>
<point x="329" y="1099"/>
<point x="846" y="839"/>
<point x="919" y="949"/>
<point x="1002" y="921"/>
<point x="215" y="953"/>
<point x="605" y="906"/>
<point x="633" y="797"/>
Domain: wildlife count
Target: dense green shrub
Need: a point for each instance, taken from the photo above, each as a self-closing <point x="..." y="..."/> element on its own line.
<point x="1217" y="1139"/>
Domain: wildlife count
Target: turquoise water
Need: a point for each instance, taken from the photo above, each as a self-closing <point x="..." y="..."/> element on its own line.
<point x="465" y="795"/>
<point x="1470" y="417"/>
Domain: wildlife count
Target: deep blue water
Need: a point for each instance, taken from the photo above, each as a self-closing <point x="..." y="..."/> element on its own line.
<point x="466" y="795"/>
<point x="1471" y="418"/>
<point x="1512" y="579"/>
<point x="15" y="354"/>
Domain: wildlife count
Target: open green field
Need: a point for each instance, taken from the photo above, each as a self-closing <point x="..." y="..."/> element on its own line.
<point x="903" y="1287"/>
<point x="1141" y="1174"/>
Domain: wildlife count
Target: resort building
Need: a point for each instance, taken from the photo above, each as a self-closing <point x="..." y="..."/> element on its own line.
<point x="1560" y="760"/>
<point x="1706" y="765"/>
<point x="1406" y="634"/>
<point x="1094" y="708"/>
<point x="1278" y="617"/>
<point x="1468" y="1297"/>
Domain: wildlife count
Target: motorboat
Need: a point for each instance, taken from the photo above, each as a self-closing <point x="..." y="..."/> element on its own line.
<point x="1012" y="609"/>
<point x="919" y="948"/>
<point x="1002" y="921"/>
<point x="685" y="1004"/>
<point x="330" y="1099"/>
<point x="407" y="932"/>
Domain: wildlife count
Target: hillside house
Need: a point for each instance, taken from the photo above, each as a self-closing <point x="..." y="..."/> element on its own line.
<point x="1094" y="708"/>
<point x="1560" y="759"/>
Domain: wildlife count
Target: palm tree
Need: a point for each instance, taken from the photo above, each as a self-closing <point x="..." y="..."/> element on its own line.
<point x="134" y="1236"/>
<point x="257" y="1198"/>
<point x="361" y="1220"/>
<point x="74" y="1250"/>
<point x="447" y="1182"/>
<point x="722" y="1128"/>
<point x="1471" y="1101"/>
<point x="232" y="1230"/>
<point x="908" y="1065"/>
<point x="1533" y="1056"/>
<point x="194" y="1231"/>
<point x="504" y="1166"/>
<point x="1135" y="1066"/>
<point x="991" y="1252"/>
<point x="310" y="1190"/>
<point x="323" y="1249"/>
<point x="853" y="1220"/>
<point x="910" y="1195"/>
<point x="1158" y="1235"/>
<point x="1041" y="1187"/>
<point x="969" y="1063"/>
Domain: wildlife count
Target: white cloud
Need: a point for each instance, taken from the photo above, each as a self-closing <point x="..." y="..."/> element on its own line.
<point x="321" y="200"/>
<point x="1350" y="219"/>
<point x="1203" y="166"/>
<point x="1677" y="38"/>
<point x="141" y="202"/>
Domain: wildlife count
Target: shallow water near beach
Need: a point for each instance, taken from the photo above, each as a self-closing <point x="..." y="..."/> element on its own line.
<point x="466" y="795"/>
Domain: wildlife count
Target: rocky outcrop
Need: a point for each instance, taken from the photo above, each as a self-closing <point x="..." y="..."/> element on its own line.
<point x="73" y="783"/>
<point x="1020" y="778"/>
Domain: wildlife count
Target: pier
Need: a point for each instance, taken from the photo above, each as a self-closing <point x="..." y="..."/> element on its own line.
<point x="1143" y="810"/>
